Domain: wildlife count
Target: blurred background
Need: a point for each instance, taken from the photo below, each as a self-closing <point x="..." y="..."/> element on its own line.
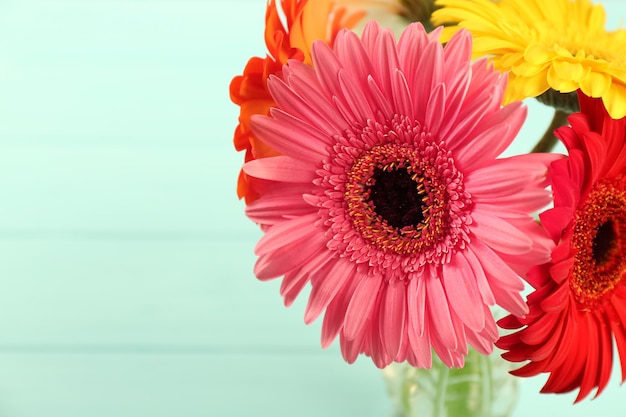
<point x="125" y="258"/>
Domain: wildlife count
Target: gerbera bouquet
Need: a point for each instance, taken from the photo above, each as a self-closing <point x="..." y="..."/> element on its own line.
<point x="374" y="167"/>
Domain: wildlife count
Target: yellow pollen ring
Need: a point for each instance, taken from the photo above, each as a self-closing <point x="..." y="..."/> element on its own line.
<point x="372" y="226"/>
<point x="600" y="242"/>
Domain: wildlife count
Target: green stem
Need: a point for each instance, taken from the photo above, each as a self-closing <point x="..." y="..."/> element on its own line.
<point x="547" y="142"/>
<point x="442" y="385"/>
<point x="487" y="386"/>
<point x="419" y="11"/>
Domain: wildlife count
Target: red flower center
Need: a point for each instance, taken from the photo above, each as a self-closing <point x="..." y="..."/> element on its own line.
<point x="600" y="243"/>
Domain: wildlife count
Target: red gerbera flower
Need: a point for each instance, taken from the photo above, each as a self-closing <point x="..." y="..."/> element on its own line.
<point x="579" y="302"/>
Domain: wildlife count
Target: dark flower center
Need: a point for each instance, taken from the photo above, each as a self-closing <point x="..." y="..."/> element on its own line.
<point x="393" y="198"/>
<point x="600" y="242"/>
<point x="604" y="243"/>
<point x="397" y="197"/>
<point x="407" y="200"/>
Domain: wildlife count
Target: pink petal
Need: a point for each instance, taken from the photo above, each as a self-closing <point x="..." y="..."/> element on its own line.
<point x="293" y="283"/>
<point x="369" y="37"/>
<point x="450" y="358"/>
<point x="481" y="279"/>
<point x="350" y="348"/>
<point x="416" y="305"/>
<point x="401" y="95"/>
<point x="378" y="98"/>
<point x="500" y="234"/>
<point x="498" y="272"/>
<point x="471" y="155"/>
<point x="281" y="168"/>
<point x="420" y="353"/>
<point x="334" y="317"/>
<point x="308" y="104"/>
<point x="353" y="55"/>
<point x="434" y="114"/>
<point x="500" y="179"/>
<point x="291" y="136"/>
<point x="327" y="66"/>
<point x="486" y="82"/>
<point x="461" y="289"/>
<point x="482" y="341"/>
<point x="529" y="200"/>
<point x="326" y="283"/>
<point x="440" y="322"/>
<point x="385" y="62"/>
<point x="354" y="98"/>
<point x="393" y="317"/>
<point x="427" y="76"/>
<point x="320" y="113"/>
<point x="360" y="307"/>
<point x="412" y="42"/>
<point x="269" y="211"/>
<point x="505" y="284"/>
<point x="277" y="249"/>
<point x="470" y="115"/>
<point x="492" y="210"/>
<point x="288" y="233"/>
<point x="295" y="280"/>
<point x="375" y="346"/>
<point x="458" y="54"/>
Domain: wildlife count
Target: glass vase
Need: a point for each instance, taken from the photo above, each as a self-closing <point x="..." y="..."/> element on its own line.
<point x="482" y="388"/>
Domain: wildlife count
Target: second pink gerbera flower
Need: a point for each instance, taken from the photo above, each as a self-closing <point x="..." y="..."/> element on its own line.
<point x="390" y="200"/>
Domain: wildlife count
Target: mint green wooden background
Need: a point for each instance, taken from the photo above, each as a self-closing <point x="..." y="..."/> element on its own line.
<point x="125" y="257"/>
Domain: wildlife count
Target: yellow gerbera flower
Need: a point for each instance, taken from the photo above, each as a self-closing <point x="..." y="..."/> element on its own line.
<point x="557" y="44"/>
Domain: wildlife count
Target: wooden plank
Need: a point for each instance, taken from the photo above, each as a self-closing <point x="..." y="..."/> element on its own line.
<point x="125" y="258"/>
<point x="108" y="188"/>
<point x="144" y="292"/>
<point x="122" y="73"/>
<point x="127" y="385"/>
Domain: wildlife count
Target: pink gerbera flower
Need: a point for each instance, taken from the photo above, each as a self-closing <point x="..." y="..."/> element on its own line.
<point x="579" y="303"/>
<point x="388" y="197"/>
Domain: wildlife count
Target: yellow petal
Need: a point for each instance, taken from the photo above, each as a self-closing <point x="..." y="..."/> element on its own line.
<point x="615" y="101"/>
<point x="560" y="84"/>
<point x="524" y="69"/>
<point x="514" y="91"/>
<point x="571" y="71"/>
<point x="535" y="85"/>
<point x="489" y="46"/>
<point x="509" y="60"/>
<point x="520" y="88"/>
<point x="538" y="54"/>
<point x="457" y="10"/>
<point x="562" y="52"/>
<point x="596" y="84"/>
<point x="597" y="18"/>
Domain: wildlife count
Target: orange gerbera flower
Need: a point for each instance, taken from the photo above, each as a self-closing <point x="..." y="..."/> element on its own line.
<point x="289" y="38"/>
